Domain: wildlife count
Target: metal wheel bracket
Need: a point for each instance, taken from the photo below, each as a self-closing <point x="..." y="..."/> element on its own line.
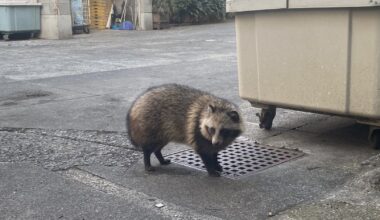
<point x="374" y="136"/>
<point x="266" y="117"/>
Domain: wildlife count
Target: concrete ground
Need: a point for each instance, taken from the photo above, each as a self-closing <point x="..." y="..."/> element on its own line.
<point x="64" y="152"/>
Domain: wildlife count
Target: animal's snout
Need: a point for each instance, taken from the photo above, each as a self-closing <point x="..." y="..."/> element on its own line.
<point x="216" y="142"/>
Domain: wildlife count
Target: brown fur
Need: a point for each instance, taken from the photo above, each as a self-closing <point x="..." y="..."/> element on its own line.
<point x="176" y="113"/>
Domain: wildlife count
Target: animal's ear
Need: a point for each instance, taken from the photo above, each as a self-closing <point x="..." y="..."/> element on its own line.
<point x="211" y="109"/>
<point x="234" y="116"/>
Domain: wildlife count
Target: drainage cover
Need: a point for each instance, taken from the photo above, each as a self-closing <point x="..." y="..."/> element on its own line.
<point x="242" y="158"/>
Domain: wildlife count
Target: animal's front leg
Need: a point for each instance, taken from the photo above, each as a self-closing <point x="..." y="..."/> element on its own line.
<point x="209" y="162"/>
<point x="218" y="167"/>
<point x="161" y="158"/>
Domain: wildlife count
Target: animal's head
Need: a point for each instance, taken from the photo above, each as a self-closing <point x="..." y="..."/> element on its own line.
<point x="221" y="124"/>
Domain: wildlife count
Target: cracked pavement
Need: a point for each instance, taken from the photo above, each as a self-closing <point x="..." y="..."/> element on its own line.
<point x="64" y="152"/>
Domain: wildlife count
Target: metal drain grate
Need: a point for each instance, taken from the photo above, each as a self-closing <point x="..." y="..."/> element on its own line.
<point x="242" y="158"/>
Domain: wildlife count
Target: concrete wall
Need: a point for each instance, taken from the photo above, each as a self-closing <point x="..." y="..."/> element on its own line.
<point x="56" y="19"/>
<point x="146" y="18"/>
<point x="118" y="4"/>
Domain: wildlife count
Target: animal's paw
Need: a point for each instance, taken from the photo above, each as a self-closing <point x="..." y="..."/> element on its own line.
<point x="214" y="173"/>
<point x="149" y="169"/>
<point x="165" y="162"/>
<point x="219" y="168"/>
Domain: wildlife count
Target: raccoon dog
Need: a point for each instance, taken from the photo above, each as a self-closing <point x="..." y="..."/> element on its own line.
<point x="181" y="114"/>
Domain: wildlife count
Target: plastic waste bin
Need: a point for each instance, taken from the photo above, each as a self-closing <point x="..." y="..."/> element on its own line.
<point x="20" y="18"/>
<point x="310" y="55"/>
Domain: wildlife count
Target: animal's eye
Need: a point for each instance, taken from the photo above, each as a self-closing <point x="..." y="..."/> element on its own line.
<point x="211" y="131"/>
<point x="234" y="116"/>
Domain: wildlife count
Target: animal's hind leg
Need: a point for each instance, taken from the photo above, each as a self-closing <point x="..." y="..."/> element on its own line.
<point x="160" y="157"/>
<point x="147" y="153"/>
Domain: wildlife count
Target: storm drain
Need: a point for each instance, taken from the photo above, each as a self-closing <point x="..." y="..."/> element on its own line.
<point x="242" y="158"/>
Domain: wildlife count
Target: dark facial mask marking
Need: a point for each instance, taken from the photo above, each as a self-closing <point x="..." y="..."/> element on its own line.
<point x="229" y="133"/>
<point x="234" y="116"/>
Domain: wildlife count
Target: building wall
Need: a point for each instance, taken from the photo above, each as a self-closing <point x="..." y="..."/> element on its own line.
<point x="56" y="19"/>
<point x="118" y="4"/>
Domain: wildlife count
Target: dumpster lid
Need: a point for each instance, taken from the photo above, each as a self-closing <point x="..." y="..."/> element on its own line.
<point x="258" y="5"/>
<point x="254" y="5"/>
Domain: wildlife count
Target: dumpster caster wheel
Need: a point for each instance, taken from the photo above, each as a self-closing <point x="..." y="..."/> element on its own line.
<point x="86" y="29"/>
<point x="266" y="117"/>
<point x="6" y="36"/>
<point x="374" y="137"/>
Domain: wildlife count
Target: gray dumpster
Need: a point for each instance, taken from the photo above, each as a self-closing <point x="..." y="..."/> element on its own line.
<point x="19" y="18"/>
<point x="310" y="55"/>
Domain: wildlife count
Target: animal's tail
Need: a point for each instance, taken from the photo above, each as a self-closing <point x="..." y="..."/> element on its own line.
<point x="128" y="126"/>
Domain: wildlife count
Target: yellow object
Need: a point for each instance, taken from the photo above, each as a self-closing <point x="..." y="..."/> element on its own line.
<point x="99" y="13"/>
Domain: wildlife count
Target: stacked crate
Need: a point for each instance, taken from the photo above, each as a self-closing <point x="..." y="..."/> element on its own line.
<point x="99" y="11"/>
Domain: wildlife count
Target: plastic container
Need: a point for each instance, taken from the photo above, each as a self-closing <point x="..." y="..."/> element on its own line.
<point x="309" y="55"/>
<point x="127" y="25"/>
<point x="20" y="18"/>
